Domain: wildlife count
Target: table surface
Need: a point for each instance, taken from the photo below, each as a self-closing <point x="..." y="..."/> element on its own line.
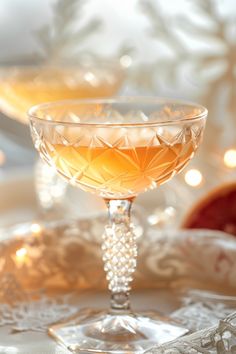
<point x="40" y="343"/>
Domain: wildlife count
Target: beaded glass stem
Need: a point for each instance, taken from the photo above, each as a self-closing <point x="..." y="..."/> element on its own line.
<point x="119" y="253"/>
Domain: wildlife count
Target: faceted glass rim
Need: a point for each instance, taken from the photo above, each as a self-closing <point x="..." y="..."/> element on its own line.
<point x="33" y="112"/>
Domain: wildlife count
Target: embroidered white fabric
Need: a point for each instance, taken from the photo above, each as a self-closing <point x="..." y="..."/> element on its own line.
<point x="220" y="339"/>
<point x="58" y="259"/>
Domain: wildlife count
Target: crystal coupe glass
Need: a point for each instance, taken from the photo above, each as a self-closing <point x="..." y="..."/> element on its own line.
<point x="117" y="148"/>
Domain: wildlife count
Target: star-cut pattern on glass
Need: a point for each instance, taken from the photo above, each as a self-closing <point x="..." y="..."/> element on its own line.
<point x="121" y="163"/>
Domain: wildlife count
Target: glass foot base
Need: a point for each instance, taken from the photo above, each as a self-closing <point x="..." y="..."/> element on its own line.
<point x="100" y="331"/>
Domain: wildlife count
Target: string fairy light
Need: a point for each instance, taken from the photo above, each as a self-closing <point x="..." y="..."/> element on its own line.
<point x="193" y="177"/>
<point x="125" y="61"/>
<point x="230" y="158"/>
<point x="21" y="255"/>
<point x="35" y="228"/>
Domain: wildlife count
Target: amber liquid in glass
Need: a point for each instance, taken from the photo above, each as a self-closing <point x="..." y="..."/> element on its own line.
<point x="120" y="172"/>
<point x="30" y="87"/>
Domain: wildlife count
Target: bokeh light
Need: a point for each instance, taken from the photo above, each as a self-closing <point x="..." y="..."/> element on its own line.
<point x="193" y="177"/>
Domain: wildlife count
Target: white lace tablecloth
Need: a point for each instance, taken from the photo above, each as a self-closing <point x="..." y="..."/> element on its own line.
<point x="66" y="257"/>
<point x="219" y="338"/>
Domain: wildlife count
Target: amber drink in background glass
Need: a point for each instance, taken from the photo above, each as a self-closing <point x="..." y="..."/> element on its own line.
<point x="24" y="86"/>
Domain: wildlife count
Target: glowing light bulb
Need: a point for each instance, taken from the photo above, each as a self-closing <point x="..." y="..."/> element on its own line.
<point x="193" y="177"/>
<point x="35" y="228"/>
<point x="230" y="158"/>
